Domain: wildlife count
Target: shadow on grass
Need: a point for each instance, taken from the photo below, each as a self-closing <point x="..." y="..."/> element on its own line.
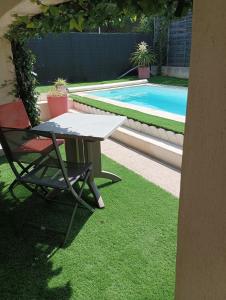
<point x="26" y="263"/>
<point x="25" y="252"/>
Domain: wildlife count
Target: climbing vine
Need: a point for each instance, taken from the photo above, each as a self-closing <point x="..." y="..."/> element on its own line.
<point x="161" y="42"/>
<point x="26" y="80"/>
<point x="73" y="15"/>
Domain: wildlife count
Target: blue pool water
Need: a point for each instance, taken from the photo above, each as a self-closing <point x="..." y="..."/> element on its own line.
<point x="169" y="99"/>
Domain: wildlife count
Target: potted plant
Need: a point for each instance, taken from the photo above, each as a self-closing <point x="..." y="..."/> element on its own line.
<point x="143" y="57"/>
<point x="58" y="99"/>
<point x="60" y="85"/>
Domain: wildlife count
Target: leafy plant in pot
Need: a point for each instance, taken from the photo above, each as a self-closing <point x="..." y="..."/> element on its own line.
<point x="60" y="85"/>
<point x="143" y="57"/>
<point x="58" y="99"/>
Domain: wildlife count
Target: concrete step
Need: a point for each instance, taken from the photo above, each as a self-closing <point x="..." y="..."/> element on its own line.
<point x="151" y="169"/>
<point x="154" y="147"/>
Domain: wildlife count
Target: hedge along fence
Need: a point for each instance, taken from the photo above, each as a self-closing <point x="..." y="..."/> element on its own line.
<point x="167" y="124"/>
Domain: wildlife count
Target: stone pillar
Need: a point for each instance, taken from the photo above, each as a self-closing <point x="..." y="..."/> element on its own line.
<point x="7" y="71"/>
<point x="201" y="253"/>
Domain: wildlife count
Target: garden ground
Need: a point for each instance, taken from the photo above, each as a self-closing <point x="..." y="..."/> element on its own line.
<point x="125" y="251"/>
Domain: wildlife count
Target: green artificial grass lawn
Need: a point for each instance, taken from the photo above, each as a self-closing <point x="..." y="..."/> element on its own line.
<point x="159" y="122"/>
<point x="125" y="251"/>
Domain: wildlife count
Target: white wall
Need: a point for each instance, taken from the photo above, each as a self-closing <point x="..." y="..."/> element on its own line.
<point x="179" y="72"/>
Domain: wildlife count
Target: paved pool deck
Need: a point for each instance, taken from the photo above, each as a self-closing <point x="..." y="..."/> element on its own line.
<point x="154" y="171"/>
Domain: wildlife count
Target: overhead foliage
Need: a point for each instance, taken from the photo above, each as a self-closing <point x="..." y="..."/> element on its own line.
<point x="160" y="45"/>
<point x="75" y="14"/>
<point x="145" y="24"/>
<point x="69" y="16"/>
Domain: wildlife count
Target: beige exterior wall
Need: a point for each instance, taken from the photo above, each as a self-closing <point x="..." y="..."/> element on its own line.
<point x="21" y="8"/>
<point x="7" y="5"/>
<point x="201" y="257"/>
<point x="7" y="10"/>
<point x="7" y="73"/>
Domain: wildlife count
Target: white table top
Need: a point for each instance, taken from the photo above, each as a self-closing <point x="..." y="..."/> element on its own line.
<point x="79" y="125"/>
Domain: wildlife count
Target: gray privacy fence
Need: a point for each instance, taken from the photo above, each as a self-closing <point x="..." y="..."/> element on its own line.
<point x="179" y="42"/>
<point x="84" y="56"/>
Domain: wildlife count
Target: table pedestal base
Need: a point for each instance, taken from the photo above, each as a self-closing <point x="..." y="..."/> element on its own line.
<point x="81" y="151"/>
<point x="108" y="175"/>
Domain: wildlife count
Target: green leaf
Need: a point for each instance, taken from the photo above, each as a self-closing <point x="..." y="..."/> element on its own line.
<point x="30" y="25"/>
<point x="44" y="8"/>
<point x="133" y="18"/>
<point x="23" y="19"/>
<point x="54" y="11"/>
<point x="77" y="25"/>
<point x="80" y="22"/>
<point x="72" y="24"/>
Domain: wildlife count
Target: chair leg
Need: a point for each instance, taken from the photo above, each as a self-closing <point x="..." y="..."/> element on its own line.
<point x="11" y="188"/>
<point x="15" y="182"/>
<point x="33" y="190"/>
<point x="78" y="200"/>
<point x="70" y="224"/>
<point x="12" y="185"/>
<point x="78" y="196"/>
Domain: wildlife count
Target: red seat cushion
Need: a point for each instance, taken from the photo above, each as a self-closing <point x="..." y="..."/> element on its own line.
<point x="14" y="115"/>
<point x="38" y="145"/>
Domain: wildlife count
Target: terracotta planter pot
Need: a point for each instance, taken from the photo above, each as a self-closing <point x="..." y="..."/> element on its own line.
<point x="144" y="72"/>
<point x="57" y="105"/>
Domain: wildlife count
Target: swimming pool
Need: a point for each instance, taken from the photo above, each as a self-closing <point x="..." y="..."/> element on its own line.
<point x="168" y="99"/>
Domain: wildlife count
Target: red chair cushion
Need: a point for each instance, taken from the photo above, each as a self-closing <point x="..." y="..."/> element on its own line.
<point x="14" y="115"/>
<point x="38" y="145"/>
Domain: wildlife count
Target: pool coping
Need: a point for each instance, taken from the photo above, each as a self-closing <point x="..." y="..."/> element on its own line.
<point x="106" y="85"/>
<point x="150" y="111"/>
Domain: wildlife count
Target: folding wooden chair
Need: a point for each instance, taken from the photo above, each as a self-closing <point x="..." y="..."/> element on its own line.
<point x="44" y="169"/>
<point x="14" y="115"/>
